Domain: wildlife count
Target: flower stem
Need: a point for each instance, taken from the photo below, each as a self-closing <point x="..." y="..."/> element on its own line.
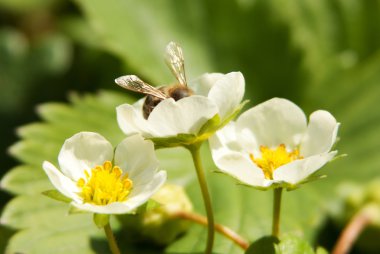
<point x="227" y="232"/>
<point x="195" y="153"/>
<point x="111" y="239"/>
<point x="276" y="212"/>
<point x="352" y="231"/>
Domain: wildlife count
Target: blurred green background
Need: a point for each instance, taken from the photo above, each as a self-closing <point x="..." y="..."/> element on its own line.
<point x="320" y="54"/>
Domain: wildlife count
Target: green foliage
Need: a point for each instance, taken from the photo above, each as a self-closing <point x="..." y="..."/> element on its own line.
<point x="23" y="6"/>
<point x="321" y="54"/>
<point x="263" y="245"/>
<point x="23" y="64"/>
<point x="288" y="245"/>
<point x="138" y="31"/>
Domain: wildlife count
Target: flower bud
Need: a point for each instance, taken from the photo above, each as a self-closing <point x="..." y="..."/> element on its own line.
<point x="158" y="223"/>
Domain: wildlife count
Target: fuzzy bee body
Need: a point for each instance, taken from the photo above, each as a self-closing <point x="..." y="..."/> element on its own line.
<point x="176" y="92"/>
<point x="175" y="61"/>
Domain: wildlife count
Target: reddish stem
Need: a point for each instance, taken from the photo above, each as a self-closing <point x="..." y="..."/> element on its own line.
<point x="352" y="231"/>
<point x="227" y="232"/>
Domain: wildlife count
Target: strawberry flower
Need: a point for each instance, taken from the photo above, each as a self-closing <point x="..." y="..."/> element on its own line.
<point x="216" y="100"/>
<point x="97" y="179"/>
<point x="272" y="145"/>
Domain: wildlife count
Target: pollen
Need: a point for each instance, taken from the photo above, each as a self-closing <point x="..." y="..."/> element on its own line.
<point x="105" y="184"/>
<point x="271" y="159"/>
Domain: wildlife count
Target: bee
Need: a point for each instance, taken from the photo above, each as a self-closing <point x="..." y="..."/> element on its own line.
<point x="176" y="63"/>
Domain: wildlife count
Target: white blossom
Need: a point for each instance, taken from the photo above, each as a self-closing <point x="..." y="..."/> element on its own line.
<point x="272" y="145"/>
<point x="102" y="181"/>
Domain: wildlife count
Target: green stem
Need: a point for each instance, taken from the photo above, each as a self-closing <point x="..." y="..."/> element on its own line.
<point x="276" y="212"/>
<point x="111" y="239"/>
<point x="195" y="153"/>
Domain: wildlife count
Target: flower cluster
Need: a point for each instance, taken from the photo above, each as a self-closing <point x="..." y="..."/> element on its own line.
<point x="271" y="145"/>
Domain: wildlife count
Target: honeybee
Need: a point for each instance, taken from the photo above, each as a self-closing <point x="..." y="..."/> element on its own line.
<point x="176" y="63"/>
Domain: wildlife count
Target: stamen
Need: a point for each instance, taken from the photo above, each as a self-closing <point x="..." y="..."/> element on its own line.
<point x="106" y="184"/>
<point x="271" y="159"/>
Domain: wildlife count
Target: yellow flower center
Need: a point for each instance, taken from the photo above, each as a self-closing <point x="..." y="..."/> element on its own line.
<point x="274" y="158"/>
<point x="106" y="184"/>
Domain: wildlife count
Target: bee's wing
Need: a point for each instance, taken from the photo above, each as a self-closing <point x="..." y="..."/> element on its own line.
<point x="176" y="62"/>
<point x="134" y="83"/>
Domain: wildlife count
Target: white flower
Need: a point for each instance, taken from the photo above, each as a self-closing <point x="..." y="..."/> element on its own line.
<point x="214" y="94"/>
<point x="271" y="145"/>
<point x="89" y="179"/>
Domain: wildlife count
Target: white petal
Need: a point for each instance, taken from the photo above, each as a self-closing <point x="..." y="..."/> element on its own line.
<point x="136" y="157"/>
<point x="83" y="151"/>
<point x="187" y="115"/>
<point x="227" y="93"/>
<point x="62" y="183"/>
<point x="138" y="197"/>
<point x="203" y="84"/>
<point x="274" y="122"/>
<point x="320" y="134"/>
<point x="240" y="167"/>
<point x="226" y="137"/>
<point x="142" y="192"/>
<point x="240" y="141"/>
<point x="113" y="208"/>
<point x="131" y="120"/>
<point x="298" y="170"/>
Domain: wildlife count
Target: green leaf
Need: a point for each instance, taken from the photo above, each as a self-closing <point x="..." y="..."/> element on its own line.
<point x="288" y="244"/>
<point x="142" y="42"/>
<point x="263" y="245"/>
<point x="293" y="245"/>
<point x="49" y="56"/>
<point x="5" y="234"/>
<point x="25" y="179"/>
<point x="65" y="234"/>
<point x="26" y="5"/>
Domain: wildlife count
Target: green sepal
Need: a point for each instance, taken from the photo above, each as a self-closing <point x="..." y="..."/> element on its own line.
<point x="181" y="139"/>
<point x="284" y="185"/>
<point x="207" y="130"/>
<point x="337" y="157"/>
<point x="210" y="126"/>
<point x="232" y="115"/>
<point x="151" y="205"/>
<point x="76" y="210"/>
<point x="101" y="220"/>
<point x="215" y="123"/>
<point x="56" y="195"/>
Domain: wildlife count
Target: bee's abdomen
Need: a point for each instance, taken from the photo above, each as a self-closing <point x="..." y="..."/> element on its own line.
<point x="150" y="103"/>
